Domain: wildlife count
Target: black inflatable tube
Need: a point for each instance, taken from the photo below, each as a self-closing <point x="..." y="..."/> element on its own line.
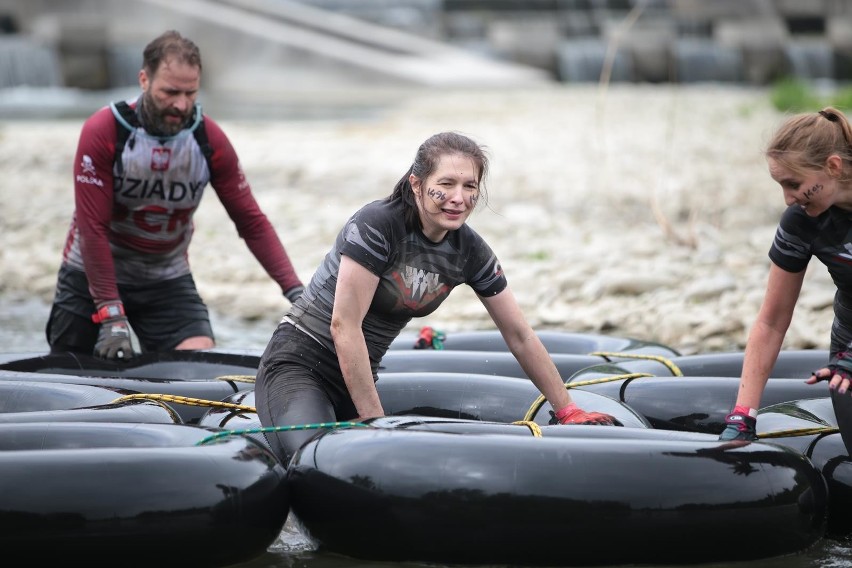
<point x="451" y="395"/>
<point x="686" y="404"/>
<point x="830" y="456"/>
<point x="554" y="341"/>
<point x="500" y="363"/>
<point x="175" y="365"/>
<point x="689" y="403"/>
<point x="27" y="401"/>
<point x="483" y="397"/>
<point x="201" y="375"/>
<point x="790" y="364"/>
<point x="824" y="447"/>
<point x="697" y="404"/>
<point x="508" y="499"/>
<point x="136" y="495"/>
<point x="130" y="411"/>
<point x="28" y="396"/>
<point x="462" y="426"/>
<point x="201" y="390"/>
<point x="795" y="363"/>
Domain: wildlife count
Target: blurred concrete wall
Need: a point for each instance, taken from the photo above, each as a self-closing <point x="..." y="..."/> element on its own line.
<point x="261" y="47"/>
<point x="271" y="46"/>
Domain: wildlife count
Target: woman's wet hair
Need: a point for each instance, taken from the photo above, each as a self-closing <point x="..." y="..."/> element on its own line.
<point x="167" y="45"/>
<point x="805" y="141"/>
<point x="425" y="162"/>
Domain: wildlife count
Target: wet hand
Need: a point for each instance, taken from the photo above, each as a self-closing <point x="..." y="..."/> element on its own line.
<point x="838" y="373"/>
<point x="573" y="414"/>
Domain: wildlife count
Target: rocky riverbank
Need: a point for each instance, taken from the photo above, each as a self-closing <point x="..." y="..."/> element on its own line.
<point x="641" y="211"/>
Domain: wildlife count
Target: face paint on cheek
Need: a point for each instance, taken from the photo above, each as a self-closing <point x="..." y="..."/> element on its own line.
<point x="436" y="194"/>
<point x="810" y="193"/>
<point x="474" y="199"/>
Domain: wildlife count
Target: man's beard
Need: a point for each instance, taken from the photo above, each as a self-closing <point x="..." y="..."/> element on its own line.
<point x="154" y="118"/>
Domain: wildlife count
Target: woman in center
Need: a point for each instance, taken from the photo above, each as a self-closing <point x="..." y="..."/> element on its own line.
<point x="395" y="259"/>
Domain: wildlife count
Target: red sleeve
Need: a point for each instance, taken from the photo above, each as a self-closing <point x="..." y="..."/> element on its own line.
<point x="234" y="191"/>
<point x="93" y="202"/>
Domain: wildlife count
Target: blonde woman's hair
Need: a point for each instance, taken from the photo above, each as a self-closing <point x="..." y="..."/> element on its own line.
<point x="805" y="141"/>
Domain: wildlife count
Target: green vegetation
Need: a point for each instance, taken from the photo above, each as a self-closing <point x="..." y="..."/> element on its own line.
<point x="538" y="255"/>
<point x="796" y="95"/>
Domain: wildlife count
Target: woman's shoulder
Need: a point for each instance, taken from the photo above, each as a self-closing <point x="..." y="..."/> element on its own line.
<point x="468" y="234"/>
<point x="831" y="224"/>
<point x="795" y="215"/>
<point x="380" y="210"/>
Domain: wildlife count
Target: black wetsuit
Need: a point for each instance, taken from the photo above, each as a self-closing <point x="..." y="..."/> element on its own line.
<point x="299" y="380"/>
<point x="829" y="238"/>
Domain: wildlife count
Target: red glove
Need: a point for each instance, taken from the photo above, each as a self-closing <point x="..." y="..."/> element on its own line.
<point x="573" y="414"/>
<point x="424" y="338"/>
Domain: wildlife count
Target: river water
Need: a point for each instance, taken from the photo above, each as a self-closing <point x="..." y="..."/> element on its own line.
<point x="22" y="330"/>
<point x="22" y="323"/>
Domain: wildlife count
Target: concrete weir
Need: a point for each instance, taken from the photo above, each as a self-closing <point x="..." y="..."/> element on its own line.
<point x="267" y="57"/>
<point x="366" y="47"/>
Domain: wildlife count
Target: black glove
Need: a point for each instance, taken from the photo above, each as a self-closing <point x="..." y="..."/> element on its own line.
<point x="294" y="293"/>
<point x="739" y="426"/>
<point x="840" y="364"/>
<point x="114" y="335"/>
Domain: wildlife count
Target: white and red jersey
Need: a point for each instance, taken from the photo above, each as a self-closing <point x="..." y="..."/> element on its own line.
<point x="133" y="223"/>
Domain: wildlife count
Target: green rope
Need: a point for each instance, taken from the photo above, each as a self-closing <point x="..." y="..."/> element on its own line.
<point x="438" y="338"/>
<point x="264" y="430"/>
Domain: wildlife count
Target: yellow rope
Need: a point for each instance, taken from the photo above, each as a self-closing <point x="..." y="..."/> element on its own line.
<point x="526" y="421"/>
<point x="236" y="378"/>
<point x="185" y="400"/>
<point x="534" y="428"/>
<point x="609" y="379"/>
<point x="658" y="358"/>
<point x="170" y="410"/>
<point x="536" y="406"/>
<point x="799" y="432"/>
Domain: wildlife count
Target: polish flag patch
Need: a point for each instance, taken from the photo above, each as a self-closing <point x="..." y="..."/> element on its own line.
<point x="160" y="159"/>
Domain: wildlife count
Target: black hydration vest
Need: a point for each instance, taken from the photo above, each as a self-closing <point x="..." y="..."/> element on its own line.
<point x="126" y="121"/>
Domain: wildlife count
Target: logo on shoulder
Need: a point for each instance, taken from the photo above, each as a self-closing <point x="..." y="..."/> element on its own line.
<point x="243" y="183"/>
<point x="87" y="165"/>
<point x="89" y="175"/>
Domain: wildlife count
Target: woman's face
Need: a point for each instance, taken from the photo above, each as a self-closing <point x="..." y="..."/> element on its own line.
<point x="812" y="190"/>
<point x="447" y="197"/>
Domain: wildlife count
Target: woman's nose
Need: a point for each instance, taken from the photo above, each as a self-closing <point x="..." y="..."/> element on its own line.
<point x="456" y="194"/>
